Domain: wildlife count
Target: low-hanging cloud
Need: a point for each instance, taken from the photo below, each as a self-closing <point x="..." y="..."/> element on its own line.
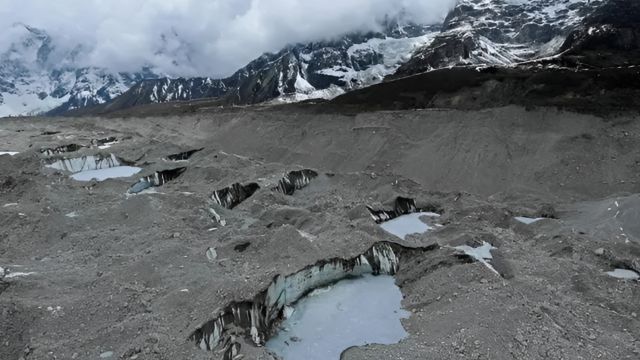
<point x="199" y="37"/>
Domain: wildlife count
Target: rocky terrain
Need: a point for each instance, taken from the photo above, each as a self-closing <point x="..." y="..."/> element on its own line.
<point x="192" y="229"/>
<point x="101" y="270"/>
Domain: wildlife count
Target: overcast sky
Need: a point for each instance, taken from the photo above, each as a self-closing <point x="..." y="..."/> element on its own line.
<point x="206" y="37"/>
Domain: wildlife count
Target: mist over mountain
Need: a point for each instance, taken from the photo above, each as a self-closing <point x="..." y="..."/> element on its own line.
<point x="195" y="38"/>
<point x="58" y="57"/>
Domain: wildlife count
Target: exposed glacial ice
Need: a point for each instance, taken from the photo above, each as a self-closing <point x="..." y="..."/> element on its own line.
<point x="262" y="313"/>
<point x="10" y="153"/>
<point x="157" y="179"/>
<point x="394" y="52"/>
<point x="352" y="312"/>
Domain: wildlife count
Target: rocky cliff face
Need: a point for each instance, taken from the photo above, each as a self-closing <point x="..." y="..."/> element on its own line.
<point x="608" y="37"/>
<point x="500" y="33"/>
<point x="596" y="68"/>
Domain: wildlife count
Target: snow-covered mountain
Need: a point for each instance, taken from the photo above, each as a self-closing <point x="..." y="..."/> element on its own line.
<point x="476" y="32"/>
<point x="500" y="32"/>
<point x="298" y="72"/>
<point x="36" y="76"/>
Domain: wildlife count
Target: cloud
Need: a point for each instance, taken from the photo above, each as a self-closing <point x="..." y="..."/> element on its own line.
<point x="196" y="37"/>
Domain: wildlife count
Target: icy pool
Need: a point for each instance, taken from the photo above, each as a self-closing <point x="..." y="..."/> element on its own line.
<point x="87" y="168"/>
<point x="624" y="274"/>
<point x="353" y="312"/>
<point x="408" y="224"/>
<point x="108" y="173"/>
<point x="85" y="163"/>
<point x="527" y="220"/>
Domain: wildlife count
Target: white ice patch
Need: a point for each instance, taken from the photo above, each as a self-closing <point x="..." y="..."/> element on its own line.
<point x="10" y="153"/>
<point x="106" y="145"/>
<point x="18" y="274"/>
<point x="104" y="174"/>
<point x="149" y="191"/>
<point x="28" y="104"/>
<point x="394" y="52"/>
<point x="527" y="220"/>
<point x="352" y="312"/>
<point x="10" y="204"/>
<point x="217" y="216"/>
<point x="72" y="215"/>
<point x="408" y="224"/>
<point x="306" y="235"/>
<point x="624" y="274"/>
<point x="481" y="254"/>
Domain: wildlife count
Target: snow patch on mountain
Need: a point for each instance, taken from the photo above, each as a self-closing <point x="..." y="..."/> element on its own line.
<point x="393" y="52"/>
<point x="500" y="33"/>
<point x="36" y="76"/>
<point x="28" y="103"/>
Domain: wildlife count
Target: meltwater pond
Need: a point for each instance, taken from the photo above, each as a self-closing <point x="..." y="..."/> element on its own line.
<point x="104" y="174"/>
<point x="352" y="312"/>
<point x="408" y="224"/>
<point x="624" y="274"/>
<point x="87" y="168"/>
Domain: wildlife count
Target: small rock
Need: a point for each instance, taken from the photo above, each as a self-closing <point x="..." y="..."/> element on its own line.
<point x="212" y="254"/>
<point x="599" y="251"/>
<point x="483" y="281"/>
<point x="295" y="339"/>
<point x="176" y="235"/>
<point x="547" y="211"/>
<point x="106" y="354"/>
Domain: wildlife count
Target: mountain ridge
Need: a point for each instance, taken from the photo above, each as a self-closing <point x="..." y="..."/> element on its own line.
<point x="322" y="69"/>
<point x="37" y="76"/>
<point x="502" y="33"/>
